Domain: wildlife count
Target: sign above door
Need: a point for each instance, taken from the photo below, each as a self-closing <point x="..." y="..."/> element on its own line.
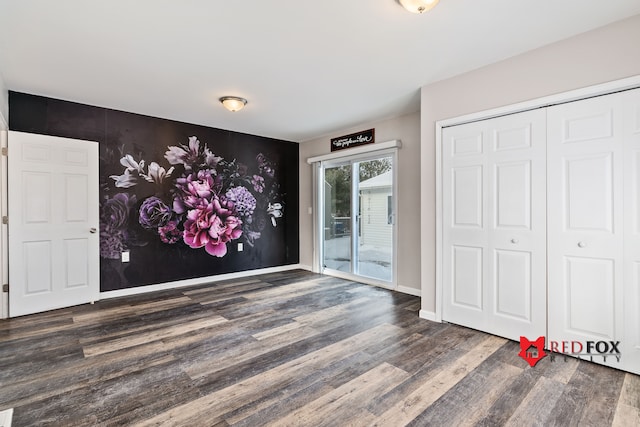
<point x="353" y="140"/>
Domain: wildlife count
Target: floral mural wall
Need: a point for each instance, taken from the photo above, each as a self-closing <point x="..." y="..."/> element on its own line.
<point x="202" y="200"/>
<point x="185" y="201"/>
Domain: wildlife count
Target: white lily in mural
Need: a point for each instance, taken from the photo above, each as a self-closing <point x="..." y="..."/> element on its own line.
<point x="129" y="162"/>
<point x="191" y="155"/>
<point x="129" y="178"/>
<point x="156" y="173"/>
<point x="183" y="154"/>
<point x="174" y="155"/>
<point x="211" y="159"/>
<point x="275" y="210"/>
<point x="126" y="180"/>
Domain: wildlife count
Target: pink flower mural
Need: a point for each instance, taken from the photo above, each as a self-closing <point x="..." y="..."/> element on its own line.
<point x="210" y="201"/>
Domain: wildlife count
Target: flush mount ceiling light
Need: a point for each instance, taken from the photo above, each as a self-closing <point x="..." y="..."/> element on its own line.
<point x="233" y="103"/>
<point x="418" y="6"/>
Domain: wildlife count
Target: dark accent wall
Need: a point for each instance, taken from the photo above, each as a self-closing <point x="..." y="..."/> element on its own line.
<point x="179" y="197"/>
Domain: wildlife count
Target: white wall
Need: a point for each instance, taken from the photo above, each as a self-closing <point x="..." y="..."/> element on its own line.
<point x="602" y="55"/>
<point x="406" y="129"/>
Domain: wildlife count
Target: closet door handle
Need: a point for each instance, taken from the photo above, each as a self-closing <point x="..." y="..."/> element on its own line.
<point x="582" y="245"/>
<point x="514" y="240"/>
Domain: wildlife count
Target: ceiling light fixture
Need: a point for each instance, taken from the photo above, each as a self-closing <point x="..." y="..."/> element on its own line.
<point x="418" y="6"/>
<point x="233" y="103"/>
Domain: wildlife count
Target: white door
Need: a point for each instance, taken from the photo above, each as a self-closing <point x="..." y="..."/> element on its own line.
<point x="494" y="225"/>
<point x="585" y="221"/>
<point x="53" y="221"/>
<point x="631" y="131"/>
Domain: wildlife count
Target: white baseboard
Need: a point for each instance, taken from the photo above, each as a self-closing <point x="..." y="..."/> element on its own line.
<point x="411" y="291"/>
<point x="4" y="308"/>
<point x="212" y="279"/>
<point x="429" y="315"/>
<point x="305" y="267"/>
<point x="372" y="282"/>
<point x="5" y="417"/>
<point x="198" y="281"/>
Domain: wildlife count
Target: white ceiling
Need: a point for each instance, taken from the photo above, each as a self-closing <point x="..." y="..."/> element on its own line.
<point x="307" y="68"/>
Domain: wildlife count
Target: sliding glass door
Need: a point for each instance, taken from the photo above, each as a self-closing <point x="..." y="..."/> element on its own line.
<point x="358" y="227"/>
<point x="337" y="217"/>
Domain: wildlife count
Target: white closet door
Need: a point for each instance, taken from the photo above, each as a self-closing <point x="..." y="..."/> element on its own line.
<point x="585" y="221"/>
<point x="631" y="123"/>
<point x="494" y="225"/>
<point x="465" y="229"/>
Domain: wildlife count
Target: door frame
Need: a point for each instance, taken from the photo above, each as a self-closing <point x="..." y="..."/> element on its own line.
<point x="543" y="102"/>
<point x="365" y="152"/>
<point x="4" y="235"/>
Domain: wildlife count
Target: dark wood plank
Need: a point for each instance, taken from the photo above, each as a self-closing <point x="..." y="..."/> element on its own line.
<point x="589" y="398"/>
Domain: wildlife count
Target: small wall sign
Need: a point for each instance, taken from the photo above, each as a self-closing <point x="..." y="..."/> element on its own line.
<point x="353" y="140"/>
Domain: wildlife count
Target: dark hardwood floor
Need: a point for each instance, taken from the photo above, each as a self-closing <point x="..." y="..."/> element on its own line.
<point x="288" y="349"/>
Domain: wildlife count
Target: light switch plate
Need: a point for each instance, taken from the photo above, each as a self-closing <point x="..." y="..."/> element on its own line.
<point x="125" y="256"/>
<point x="240" y="247"/>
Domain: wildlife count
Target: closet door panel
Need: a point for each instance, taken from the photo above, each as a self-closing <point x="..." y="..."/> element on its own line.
<point x="513" y="195"/>
<point x="631" y="343"/>
<point x="585" y="221"/>
<point x="588" y="187"/>
<point x="517" y="234"/>
<point x="590" y="286"/>
<point x="464" y="213"/>
<point x="513" y="284"/>
<point x="494" y="225"/>
<point x="467" y="196"/>
<point x="467" y="277"/>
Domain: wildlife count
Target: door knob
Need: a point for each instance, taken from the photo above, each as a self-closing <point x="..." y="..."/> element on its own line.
<point x="582" y="245"/>
<point x="92" y="230"/>
<point x="514" y="241"/>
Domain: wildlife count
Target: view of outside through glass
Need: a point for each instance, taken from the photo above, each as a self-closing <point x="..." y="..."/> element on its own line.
<point x="373" y="233"/>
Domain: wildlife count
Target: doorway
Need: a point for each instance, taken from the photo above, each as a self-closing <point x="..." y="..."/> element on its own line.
<point x="357" y="207"/>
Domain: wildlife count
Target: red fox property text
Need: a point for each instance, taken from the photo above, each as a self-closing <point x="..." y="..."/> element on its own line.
<point x="589" y="349"/>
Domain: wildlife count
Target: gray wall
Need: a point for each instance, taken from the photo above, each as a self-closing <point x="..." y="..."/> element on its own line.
<point x="605" y="54"/>
<point x="406" y="129"/>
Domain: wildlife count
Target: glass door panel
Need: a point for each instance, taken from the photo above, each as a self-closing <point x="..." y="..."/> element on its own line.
<point x="337" y="218"/>
<point x="375" y="219"/>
